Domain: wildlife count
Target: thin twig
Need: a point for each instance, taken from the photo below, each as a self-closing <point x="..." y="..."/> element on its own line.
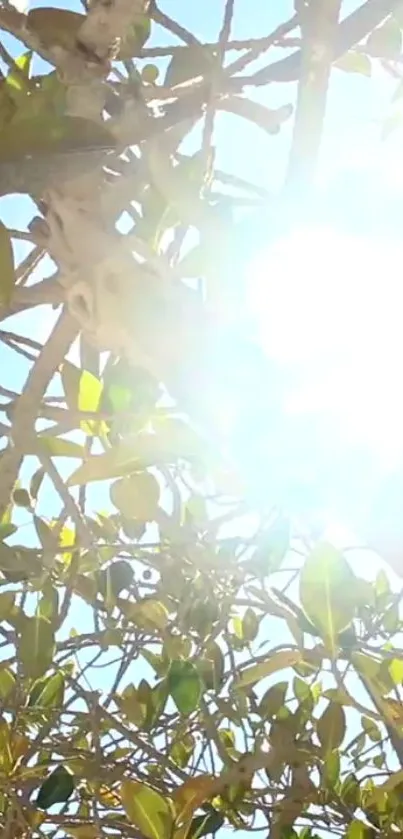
<point x="208" y="130"/>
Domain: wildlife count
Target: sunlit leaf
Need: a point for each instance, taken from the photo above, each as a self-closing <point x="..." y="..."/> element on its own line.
<point x="354" y="62"/>
<point x="136" y="496"/>
<point x="278" y="661"/>
<point x="191" y="794"/>
<point x="149" y="614"/>
<point x="48" y="692"/>
<point x="396" y="670"/>
<point x="357" y="830"/>
<point x="60" y="448"/>
<point x="83" y="392"/>
<point x="17" y="78"/>
<point x="327" y="591"/>
<point x="147" y="810"/>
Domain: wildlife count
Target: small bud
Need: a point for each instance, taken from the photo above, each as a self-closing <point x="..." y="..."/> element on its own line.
<point x="22" y="498"/>
<point x="150" y="73"/>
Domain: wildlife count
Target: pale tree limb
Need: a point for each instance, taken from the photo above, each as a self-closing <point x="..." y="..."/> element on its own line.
<point x="26" y="408"/>
<point x="319" y="22"/>
<point x="350" y="31"/>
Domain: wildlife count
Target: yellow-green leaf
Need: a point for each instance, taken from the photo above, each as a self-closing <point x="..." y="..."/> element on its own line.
<point x="191" y="794"/>
<point x="36" y="646"/>
<point x="147" y="614"/>
<point x="278" y="661"/>
<point x="136" y="496"/>
<point x="83" y="392"/>
<point x="396" y="670"/>
<point x="59" y="448"/>
<point x="184" y="685"/>
<point x="7" y="682"/>
<point x="147" y="810"/>
<point x="354" y="62"/>
<point x="327" y="591"/>
<point x="385" y="41"/>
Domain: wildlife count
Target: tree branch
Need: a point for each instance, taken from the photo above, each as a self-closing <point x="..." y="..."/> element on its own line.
<point x="26" y="409"/>
<point x="351" y="30"/>
<point x="318" y="26"/>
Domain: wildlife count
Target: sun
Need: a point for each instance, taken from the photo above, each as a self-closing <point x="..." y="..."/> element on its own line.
<point x="331" y="306"/>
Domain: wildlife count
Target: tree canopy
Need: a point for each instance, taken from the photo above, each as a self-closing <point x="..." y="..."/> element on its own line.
<point x="183" y="650"/>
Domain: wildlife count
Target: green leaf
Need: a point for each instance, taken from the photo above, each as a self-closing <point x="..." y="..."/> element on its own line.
<point x="36" y="482"/>
<point x="385" y="41"/>
<point x="203" y="825"/>
<point x="182" y="751"/>
<point x="331" y="727"/>
<point x="7" y="600"/>
<point x="273" y="700"/>
<point x="112" y="580"/>
<point x="7" y="272"/>
<point x="250" y="625"/>
<point x="332" y="768"/>
<point x="147" y="810"/>
<point x="7" y="682"/>
<point x="327" y="591"/>
<point x="57" y="788"/>
<point x="188" y="63"/>
<point x="36" y="646"/>
<point x="354" y="62"/>
<point x="350" y="791"/>
<point x="184" y="685"/>
<point x="371" y="729"/>
<point x="48" y="606"/>
<point x="48" y="692"/>
<point x="302" y="690"/>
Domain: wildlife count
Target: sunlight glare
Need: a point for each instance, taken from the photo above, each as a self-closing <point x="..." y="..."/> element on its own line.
<point x="330" y="306"/>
